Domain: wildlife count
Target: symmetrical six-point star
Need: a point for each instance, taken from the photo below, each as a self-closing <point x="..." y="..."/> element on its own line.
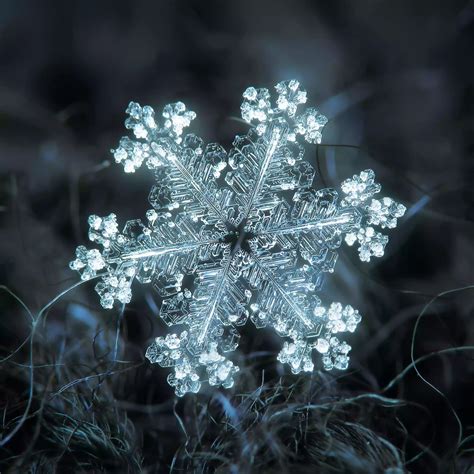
<point x="236" y="235"/>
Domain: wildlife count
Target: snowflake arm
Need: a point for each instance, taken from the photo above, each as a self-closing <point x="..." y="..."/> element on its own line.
<point x="185" y="170"/>
<point x="218" y="305"/>
<point x="316" y="218"/>
<point x="268" y="159"/>
<point x="281" y="293"/>
<point x="256" y="162"/>
<point x="152" y="254"/>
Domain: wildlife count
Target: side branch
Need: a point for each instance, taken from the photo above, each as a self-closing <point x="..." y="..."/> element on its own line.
<point x="347" y="218"/>
<point x="275" y="284"/>
<point x="196" y="188"/>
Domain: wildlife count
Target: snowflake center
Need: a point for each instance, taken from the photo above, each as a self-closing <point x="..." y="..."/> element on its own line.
<point x="239" y="238"/>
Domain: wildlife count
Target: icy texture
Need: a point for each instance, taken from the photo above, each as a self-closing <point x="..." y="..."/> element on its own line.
<point x="236" y="235"/>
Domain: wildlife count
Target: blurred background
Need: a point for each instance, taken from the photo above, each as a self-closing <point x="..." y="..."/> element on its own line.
<point x="396" y="81"/>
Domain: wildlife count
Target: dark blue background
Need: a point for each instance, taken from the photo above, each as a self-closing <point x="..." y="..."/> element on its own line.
<point x="395" y="79"/>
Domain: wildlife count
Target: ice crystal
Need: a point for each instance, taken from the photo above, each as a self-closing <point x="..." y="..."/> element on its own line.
<point x="236" y="235"/>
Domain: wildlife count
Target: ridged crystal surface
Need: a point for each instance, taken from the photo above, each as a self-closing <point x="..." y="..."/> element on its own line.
<point x="236" y="235"/>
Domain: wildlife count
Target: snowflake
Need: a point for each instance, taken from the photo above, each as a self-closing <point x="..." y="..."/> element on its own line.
<point x="236" y="235"/>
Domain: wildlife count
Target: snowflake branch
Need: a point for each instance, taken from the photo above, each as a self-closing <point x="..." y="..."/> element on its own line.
<point x="275" y="284"/>
<point x="162" y="250"/>
<point x="213" y="301"/>
<point x="347" y="217"/>
<point x="196" y="188"/>
<point x="277" y="133"/>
